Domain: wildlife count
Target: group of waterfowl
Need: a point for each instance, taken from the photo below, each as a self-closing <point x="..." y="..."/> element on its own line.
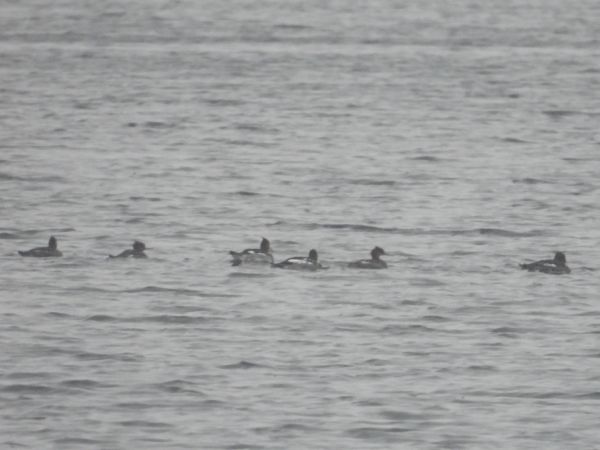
<point x="264" y="255"/>
<point x="137" y="251"/>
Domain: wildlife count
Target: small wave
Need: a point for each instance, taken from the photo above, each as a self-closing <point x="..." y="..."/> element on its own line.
<point x="20" y="234"/>
<point x="506" y="233"/>
<point x="151" y="289"/>
<point x="244" y="446"/>
<point x="354" y="227"/>
<point x="11" y="444"/>
<point x="137" y="198"/>
<point x="250" y="275"/>
<point x="137" y="406"/>
<point x="242" y="365"/>
<point x="101" y="318"/>
<point x="507" y="331"/>
<point x="223" y="102"/>
<point x="90" y="356"/>
<point x="413" y="231"/>
<point x="560" y="113"/>
<point x="82" y="384"/>
<point x="78" y="441"/>
<point x="574" y="159"/>
<point x="293" y="427"/>
<point x="412" y="302"/>
<point x="252" y="127"/>
<point x="293" y="26"/>
<point x="367" y="182"/>
<point x="179" y="291"/>
<point x="49" y="178"/>
<point x="158" y="124"/>
<point x="528" y="180"/>
<point x="8" y="177"/>
<point x="433" y="318"/>
<point x="244" y="143"/>
<point x="483" y="368"/>
<point x="21" y="375"/>
<point x="27" y="389"/>
<point x="427" y="158"/>
<point x="462" y="253"/>
<point x="144" y="423"/>
<point x="161" y="318"/>
<point x="58" y="315"/>
<point x="402" y="416"/>
<point x="406" y="329"/>
<point x="247" y="193"/>
<point x="376" y="362"/>
<point x="511" y="140"/>
<point x="167" y="318"/>
<point x="375" y="432"/>
<point x="177" y="387"/>
<point x="426" y="282"/>
<point x="590" y="396"/>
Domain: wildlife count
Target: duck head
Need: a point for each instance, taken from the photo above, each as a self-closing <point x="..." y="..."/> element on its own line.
<point x="265" y="246"/>
<point x="139" y="246"/>
<point x="560" y="259"/>
<point x="313" y="256"/>
<point x="52" y="243"/>
<point x="377" y="252"/>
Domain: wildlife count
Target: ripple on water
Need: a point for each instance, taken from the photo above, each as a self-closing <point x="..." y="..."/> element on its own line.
<point x="123" y="357"/>
<point x="144" y="424"/>
<point x="38" y="389"/>
<point x="242" y="365"/>
<point x="178" y="387"/>
<point x="380" y="433"/>
<point x="160" y="318"/>
<point x="84" y="384"/>
<point x="78" y="441"/>
<point x="362" y="228"/>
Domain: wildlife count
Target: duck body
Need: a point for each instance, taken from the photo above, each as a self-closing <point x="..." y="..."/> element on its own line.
<point x="43" y="252"/>
<point x="374" y="263"/>
<point x="137" y="251"/>
<point x="556" y="266"/>
<point x="368" y="264"/>
<point x="262" y="255"/>
<point x="310" y="263"/>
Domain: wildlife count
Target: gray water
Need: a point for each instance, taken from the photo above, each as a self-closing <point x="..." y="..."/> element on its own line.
<point x="462" y="137"/>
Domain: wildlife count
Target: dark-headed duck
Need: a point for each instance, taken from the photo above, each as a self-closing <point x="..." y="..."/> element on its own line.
<point x="137" y="251"/>
<point x="556" y="266"/>
<point x="301" y="263"/>
<point x="374" y="263"/>
<point x="262" y="255"/>
<point x="43" y="252"/>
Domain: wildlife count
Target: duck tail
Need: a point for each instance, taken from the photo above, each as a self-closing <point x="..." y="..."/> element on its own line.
<point x="237" y="260"/>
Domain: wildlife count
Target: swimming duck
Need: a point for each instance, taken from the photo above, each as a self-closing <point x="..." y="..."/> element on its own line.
<point x="43" y="252"/>
<point x="301" y="263"/>
<point x="262" y="255"/>
<point x="556" y="266"/>
<point x="373" y="263"/>
<point x="137" y="251"/>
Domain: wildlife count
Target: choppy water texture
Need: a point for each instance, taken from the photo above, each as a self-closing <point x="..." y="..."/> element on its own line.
<point x="462" y="137"/>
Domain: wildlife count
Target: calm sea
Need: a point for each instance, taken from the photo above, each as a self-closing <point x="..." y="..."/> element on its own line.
<point x="462" y="137"/>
